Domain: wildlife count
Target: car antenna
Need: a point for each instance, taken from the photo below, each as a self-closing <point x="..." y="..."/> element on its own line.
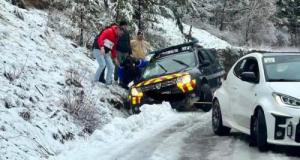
<point x="190" y="33"/>
<point x="188" y="37"/>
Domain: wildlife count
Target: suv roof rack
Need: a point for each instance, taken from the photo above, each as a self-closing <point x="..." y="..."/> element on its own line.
<point x="174" y="49"/>
<point x="267" y="52"/>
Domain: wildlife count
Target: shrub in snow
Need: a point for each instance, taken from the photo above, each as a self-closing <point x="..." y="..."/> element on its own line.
<point x="40" y="4"/>
<point x="12" y="72"/>
<point x="62" y="137"/>
<point x="82" y="108"/>
<point x="25" y="115"/>
<point x="228" y="57"/>
<point x="9" y="102"/>
<point x="19" y="3"/>
<point x="74" y="77"/>
<point x="19" y="14"/>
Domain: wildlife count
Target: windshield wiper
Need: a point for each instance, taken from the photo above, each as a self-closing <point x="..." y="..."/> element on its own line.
<point x="162" y="67"/>
<point x="283" y="80"/>
<point x="180" y="62"/>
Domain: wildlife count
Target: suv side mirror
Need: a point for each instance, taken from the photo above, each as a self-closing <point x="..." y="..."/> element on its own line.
<point x="249" y="77"/>
<point x="205" y="63"/>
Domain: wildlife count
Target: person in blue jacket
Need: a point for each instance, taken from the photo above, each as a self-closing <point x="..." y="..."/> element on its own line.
<point x="130" y="70"/>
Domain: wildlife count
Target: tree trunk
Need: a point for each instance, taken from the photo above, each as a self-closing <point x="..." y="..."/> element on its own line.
<point x="106" y="4"/>
<point x="81" y="28"/>
<point x="223" y="16"/>
<point x="140" y="15"/>
<point x="247" y="32"/>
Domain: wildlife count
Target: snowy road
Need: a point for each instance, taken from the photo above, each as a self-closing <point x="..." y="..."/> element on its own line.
<point x="172" y="135"/>
<point x="196" y="141"/>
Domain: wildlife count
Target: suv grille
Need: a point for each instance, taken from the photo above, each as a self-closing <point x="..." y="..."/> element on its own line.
<point x="158" y="86"/>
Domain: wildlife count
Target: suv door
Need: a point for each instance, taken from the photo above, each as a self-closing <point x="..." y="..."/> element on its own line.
<point x="202" y="58"/>
<point x="210" y="71"/>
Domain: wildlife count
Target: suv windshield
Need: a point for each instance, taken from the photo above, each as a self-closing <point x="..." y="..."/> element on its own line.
<point x="170" y="64"/>
<point x="283" y="68"/>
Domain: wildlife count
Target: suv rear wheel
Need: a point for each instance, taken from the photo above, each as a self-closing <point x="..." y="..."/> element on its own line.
<point x="205" y="97"/>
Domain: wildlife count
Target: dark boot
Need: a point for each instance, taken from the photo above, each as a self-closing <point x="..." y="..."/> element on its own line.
<point x="102" y="79"/>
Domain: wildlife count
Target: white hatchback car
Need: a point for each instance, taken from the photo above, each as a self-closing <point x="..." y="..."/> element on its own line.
<point x="261" y="97"/>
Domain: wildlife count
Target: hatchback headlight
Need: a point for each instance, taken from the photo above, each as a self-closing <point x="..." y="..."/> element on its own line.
<point x="184" y="79"/>
<point x="287" y="100"/>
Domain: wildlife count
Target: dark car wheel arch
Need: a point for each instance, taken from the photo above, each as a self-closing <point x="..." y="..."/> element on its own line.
<point x="217" y="121"/>
<point x="205" y="95"/>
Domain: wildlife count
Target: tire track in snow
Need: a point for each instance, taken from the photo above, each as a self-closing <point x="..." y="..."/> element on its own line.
<point x="165" y="145"/>
<point x="203" y="144"/>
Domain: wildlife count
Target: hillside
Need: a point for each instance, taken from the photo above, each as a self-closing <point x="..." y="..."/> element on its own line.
<point x="38" y="67"/>
<point x="48" y="101"/>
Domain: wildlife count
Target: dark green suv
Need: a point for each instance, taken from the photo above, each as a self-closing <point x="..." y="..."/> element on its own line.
<point x="184" y="75"/>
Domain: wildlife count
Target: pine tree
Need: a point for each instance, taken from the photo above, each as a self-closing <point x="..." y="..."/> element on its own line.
<point x="289" y="16"/>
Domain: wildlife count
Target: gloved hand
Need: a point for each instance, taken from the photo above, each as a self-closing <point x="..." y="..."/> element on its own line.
<point x="137" y="62"/>
<point x="102" y="51"/>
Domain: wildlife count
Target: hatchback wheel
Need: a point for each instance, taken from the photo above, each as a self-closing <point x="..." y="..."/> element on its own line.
<point x="260" y="130"/>
<point x="217" y="122"/>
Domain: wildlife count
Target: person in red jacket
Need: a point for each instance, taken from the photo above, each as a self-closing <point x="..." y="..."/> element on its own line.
<point x="104" y="50"/>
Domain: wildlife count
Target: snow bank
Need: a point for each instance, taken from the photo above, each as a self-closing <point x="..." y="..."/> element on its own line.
<point x="122" y="131"/>
<point x="33" y="122"/>
<point x="126" y="128"/>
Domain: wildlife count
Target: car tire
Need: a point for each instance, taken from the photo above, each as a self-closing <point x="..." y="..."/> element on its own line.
<point x="217" y="121"/>
<point x="132" y="110"/>
<point x="205" y="96"/>
<point x="252" y="141"/>
<point x="261" y="131"/>
<point x="181" y="109"/>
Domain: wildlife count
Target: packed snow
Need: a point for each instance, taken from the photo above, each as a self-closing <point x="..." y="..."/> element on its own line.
<point x="36" y="61"/>
<point x="116" y="136"/>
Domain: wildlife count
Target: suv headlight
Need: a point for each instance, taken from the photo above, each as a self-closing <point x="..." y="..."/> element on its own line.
<point x="184" y="79"/>
<point x="136" y="92"/>
<point x="287" y="100"/>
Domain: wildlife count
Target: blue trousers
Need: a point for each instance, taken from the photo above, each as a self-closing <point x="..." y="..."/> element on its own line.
<point x="104" y="61"/>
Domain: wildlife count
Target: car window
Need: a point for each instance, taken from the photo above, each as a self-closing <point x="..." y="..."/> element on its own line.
<point x="247" y="65"/>
<point x="211" y="54"/>
<point x="238" y="69"/>
<point x="282" y="68"/>
<point x="170" y="64"/>
<point x="201" y="58"/>
<point x="203" y="55"/>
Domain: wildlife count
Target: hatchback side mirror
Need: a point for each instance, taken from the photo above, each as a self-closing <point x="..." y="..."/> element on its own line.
<point x="249" y="77"/>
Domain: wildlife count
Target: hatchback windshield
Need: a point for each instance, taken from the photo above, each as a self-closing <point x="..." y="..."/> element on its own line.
<point x="170" y="64"/>
<point x="283" y="68"/>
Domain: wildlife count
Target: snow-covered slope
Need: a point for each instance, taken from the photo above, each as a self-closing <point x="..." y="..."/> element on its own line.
<point x="33" y="123"/>
<point x="171" y="32"/>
